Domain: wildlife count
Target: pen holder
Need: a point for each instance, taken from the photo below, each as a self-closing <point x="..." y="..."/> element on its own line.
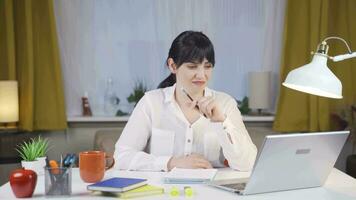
<point x="58" y="181"/>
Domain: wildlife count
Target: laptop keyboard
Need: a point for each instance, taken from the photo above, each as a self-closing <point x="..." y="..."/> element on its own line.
<point x="236" y="186"/>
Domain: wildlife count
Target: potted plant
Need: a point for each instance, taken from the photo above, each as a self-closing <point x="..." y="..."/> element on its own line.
<point x="42" y="146"/>
<point x="33" y="154"/>
<point x="243" y="106"/>
<point x="138" y="91"/>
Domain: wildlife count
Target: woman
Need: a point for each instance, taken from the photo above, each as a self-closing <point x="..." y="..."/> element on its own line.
<point x="185" y="124"/>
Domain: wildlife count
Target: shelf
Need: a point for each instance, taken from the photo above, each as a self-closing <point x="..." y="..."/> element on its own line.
<point x="99" y="119"/>
<point x="247" y="118"/>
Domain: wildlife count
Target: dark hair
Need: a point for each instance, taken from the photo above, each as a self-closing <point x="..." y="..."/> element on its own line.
<point x="189" y="46"/>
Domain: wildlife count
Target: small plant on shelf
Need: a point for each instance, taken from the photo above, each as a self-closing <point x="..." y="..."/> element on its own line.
<point x="138" y="91"/>
<point x="243" y="106"/>
<point x="121" y="113"/>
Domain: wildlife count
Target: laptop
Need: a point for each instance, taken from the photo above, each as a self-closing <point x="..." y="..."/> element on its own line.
<point x="290" y="161"/>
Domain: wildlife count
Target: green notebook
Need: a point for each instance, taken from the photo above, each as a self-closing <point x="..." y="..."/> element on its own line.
<point x="142" y="191"/>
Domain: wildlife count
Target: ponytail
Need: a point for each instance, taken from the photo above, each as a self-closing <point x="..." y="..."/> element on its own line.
<point x="169" y="81"/>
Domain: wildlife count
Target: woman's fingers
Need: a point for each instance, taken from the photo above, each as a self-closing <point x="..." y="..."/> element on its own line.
<point x="206" y="164"/>
<point x="196" y="155"/>
<point x="203" y="164"/>
<point x="203" y="103"/>
<point x="207" y="108"/>
<point x="210" y="108"/>
<point x="193" y="104"/>
<point x="200" y="162"/>
<point x="192" y="161"/>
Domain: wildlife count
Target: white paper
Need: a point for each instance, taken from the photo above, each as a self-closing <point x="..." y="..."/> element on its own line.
<point x="190" y="175"/>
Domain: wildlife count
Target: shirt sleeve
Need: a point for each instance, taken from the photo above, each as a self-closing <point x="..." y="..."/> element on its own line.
<point x="129" y="149"/>
<point x="235" y="141"/>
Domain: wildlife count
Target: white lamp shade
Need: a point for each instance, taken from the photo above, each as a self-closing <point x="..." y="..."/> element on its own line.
<point x="9" y="106"/>
<point x="259" y="90"/>
<point x="315" y="78"/>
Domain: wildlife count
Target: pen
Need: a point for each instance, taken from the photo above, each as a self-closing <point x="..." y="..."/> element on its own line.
<point x="73" y="159"/>
<point x="66" y="160"/>
<point x="61" y="164"/>
<point x="186" y="93"/>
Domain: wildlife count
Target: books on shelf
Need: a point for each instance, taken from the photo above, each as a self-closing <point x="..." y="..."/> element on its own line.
<point x="179" y="175"/>
<point x="117" y="184"/>
<point x="142" y="191"/>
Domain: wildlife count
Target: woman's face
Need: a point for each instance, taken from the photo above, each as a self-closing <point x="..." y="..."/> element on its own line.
<point x="192" y="76"/>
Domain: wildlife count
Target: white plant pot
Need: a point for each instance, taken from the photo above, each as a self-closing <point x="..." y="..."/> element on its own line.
<point x="42" y="163"/>
<point x="33" y="165"/>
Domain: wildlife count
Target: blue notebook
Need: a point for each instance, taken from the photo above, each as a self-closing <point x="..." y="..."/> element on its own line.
<point x="117" y="184"/>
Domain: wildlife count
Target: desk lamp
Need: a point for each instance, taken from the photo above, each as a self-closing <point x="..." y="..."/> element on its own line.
<point x="9" y="106"/>
<point x="316" y="78"/>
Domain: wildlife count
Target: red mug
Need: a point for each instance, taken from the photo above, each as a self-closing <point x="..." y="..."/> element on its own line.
<point x="92" y="165"/>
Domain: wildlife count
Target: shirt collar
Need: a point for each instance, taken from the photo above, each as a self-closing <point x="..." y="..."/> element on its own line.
<point x="169" y="93"/>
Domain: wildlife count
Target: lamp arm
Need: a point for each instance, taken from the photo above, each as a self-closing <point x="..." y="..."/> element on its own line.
<point x="338" y="38"/>
<point x="343" y="57"/>
<point x="323" y="48"/>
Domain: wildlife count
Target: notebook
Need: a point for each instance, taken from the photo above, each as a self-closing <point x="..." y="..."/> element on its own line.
<point x="179" y="175"/>
<point x="146" y="190"/>
<point x="117" y="184"/>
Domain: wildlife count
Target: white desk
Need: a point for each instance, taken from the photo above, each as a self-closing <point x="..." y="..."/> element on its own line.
<point x="339" y="186"/>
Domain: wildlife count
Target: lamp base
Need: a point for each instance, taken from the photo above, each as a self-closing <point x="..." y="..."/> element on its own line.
<point x="260" y="112"/>
<point x="8" y="126"/>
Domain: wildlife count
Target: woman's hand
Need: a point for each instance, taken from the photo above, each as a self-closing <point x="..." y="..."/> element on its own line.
<point x="209" y="107"/>
<point x="192" y="161"/>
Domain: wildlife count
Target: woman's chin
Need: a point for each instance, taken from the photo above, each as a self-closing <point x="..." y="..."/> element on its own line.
<point x="197" y="88"/>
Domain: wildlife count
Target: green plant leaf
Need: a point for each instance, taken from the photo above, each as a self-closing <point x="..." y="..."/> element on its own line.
<point x="121" y="113"/>
<point x="138" y="92"/>
<point x="33" y="149"/>
<point x="244" y="107"/>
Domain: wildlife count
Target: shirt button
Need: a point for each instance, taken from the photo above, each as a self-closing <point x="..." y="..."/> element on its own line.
<point x="188" y="140"/>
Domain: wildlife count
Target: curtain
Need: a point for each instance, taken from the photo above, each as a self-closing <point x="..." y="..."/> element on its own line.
<point x="29" y="54"/>
<point x="128" y="40"/>
<point x="307" y="23"/>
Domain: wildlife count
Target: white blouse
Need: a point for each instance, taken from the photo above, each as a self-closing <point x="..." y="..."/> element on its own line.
<point x="158" y="130"/>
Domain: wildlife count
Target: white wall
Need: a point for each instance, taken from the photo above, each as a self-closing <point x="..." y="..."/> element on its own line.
<point x="129" y="40"/>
